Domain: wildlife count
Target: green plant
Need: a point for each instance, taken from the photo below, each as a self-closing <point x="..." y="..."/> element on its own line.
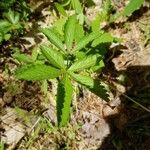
<point x="20" y="6"/>
<point x="6" y="4"/>
<point x="13" y="15"/>
<point x="105" y="15"/>
<point x="9" y="25"/>
<point x="43" y="126"/>
<point x="132" y="6"/>
<point x="76" y="5"/>
<point x="74" y="57"/>
<point x="1" y="145"/>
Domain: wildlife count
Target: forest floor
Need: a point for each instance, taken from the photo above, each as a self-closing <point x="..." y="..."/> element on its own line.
<point x="28" y="117"/>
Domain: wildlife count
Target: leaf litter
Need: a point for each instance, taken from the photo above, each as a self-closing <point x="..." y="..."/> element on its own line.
<point x="89" y="126"/>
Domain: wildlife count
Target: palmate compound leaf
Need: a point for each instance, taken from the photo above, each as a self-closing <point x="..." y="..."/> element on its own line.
<point x="85" y="40"/>
<point x="53" y="38"/>
<point x="92" y="84"/>
<point x="37" y="72"/>
<point x="132" y="6"/>
<point x="53" y="56"/>
<point x="64" y="98"/>
<point x="84" y="63"/>
<point x="70" y="31"/>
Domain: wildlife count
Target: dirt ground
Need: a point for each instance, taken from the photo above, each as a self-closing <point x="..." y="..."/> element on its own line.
<point x="28" y="117"/>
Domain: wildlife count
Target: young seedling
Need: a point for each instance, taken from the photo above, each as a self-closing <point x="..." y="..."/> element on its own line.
<point x="9" y="24"/>
<point x="68" y="60"/>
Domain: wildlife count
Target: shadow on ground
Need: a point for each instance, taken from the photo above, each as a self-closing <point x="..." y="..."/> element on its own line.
<point x="135" y="133"/>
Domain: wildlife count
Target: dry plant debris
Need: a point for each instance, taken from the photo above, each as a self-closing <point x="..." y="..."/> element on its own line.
<point x="33" y="125"/>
